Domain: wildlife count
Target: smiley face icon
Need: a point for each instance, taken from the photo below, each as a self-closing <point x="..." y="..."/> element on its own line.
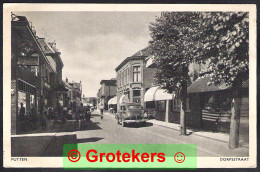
<point x="179" y="157"/>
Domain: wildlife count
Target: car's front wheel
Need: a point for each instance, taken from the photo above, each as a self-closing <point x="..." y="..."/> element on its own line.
<point x="123" y="124"/>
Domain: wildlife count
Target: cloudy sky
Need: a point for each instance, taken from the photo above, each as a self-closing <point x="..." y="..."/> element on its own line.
<point x="93" y="44"/>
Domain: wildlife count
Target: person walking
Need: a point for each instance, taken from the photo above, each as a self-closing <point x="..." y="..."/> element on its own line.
<point x="22" y="112"/>
<point x="81" y="115"/>
<point x="102" y="111"/>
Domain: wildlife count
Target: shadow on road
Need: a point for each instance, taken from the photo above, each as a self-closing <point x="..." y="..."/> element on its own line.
<point x="91" y="139"/>
<point x="93" y="126"/>
<point x="134" y="125"/>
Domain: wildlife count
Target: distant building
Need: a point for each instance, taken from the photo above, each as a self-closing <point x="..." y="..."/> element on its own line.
<point x="92" y="101"/>
<point x="133" y="78"/>
<point x="54" y="92"/>
<point x="75" y="94"/>
<point x="106" y="92"/>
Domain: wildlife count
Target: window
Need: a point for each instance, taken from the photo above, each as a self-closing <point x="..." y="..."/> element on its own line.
<point x="134" y="107"/>
<point x="123" y="78"/>
<point x="136" y="96"/>
<point x="162" y="105"/>
<point x="136" y="74"/>
<point x="121" y="75"/>
<point x="119" y="79"/>
<point x="136" y="93"/>
<point x="150" y="104"/>
<point x="176" y="103"/>
<point x="127" y="76"/>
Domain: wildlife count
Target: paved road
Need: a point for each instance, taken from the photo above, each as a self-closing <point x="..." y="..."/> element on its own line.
<point x="108" y="131"/>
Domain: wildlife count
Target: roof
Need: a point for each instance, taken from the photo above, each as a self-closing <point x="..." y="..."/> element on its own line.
<point x="46" y="48"/>
<point x="142" y="54"/>
<point x="52" y="63"/>
<point x="53" y="46"/>
<point x="201" y="85"/>
<point x="111" y="82"/>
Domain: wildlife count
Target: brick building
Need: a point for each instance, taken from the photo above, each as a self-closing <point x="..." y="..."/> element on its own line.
<point x="133" y="78"/>
<point x="29" y="83"/>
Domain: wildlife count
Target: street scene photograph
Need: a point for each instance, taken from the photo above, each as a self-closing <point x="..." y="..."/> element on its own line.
<point x="129" y="77"/>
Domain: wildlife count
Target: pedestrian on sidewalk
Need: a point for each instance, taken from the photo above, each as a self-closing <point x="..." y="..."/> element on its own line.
<point x="43" y="119"/>
<point x="102" y="111"/>
<point x="22" y="112"/>
<point x="33" y="116"/>
<point x="81" y="117"/>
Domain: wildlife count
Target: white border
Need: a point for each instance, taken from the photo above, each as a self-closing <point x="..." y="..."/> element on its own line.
<point x="203" y="162"/>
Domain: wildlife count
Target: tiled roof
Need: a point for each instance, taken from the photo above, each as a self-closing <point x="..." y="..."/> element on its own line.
<point x="142" y="54"/>
<point x="52" y="62"/>
<point x="108" y="82"/>
<point x="201" y="85"/>
<point x="45" y="47"/>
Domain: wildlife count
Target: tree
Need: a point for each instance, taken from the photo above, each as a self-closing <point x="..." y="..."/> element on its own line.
<point x="171" y="44"/>
<point x="179" y="38"/>
<point x="225" y="37"/>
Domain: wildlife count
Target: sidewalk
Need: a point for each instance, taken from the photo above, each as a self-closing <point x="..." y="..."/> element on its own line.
<point x="47" y="142"/>
<point x="222" y="137"/>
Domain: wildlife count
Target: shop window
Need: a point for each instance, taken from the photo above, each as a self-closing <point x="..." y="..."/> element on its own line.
<point x="176" y="104"/>
<point x="218" y="102"/>
<point x="161" y="105"/>
<point x="136" y="73"/>
<point x="150" y="105"/>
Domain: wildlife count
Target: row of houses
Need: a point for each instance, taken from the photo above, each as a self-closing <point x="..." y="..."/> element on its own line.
<point x="36" y="75"/>
<point x="208" y="107"/>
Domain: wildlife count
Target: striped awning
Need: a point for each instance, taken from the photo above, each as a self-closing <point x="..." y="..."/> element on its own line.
<point x="123" y="99"/>
<point x="113" y="101"/>
<point x="157" y="94"/>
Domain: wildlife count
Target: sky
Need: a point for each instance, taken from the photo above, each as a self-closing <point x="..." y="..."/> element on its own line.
<point x="93" y="44"/>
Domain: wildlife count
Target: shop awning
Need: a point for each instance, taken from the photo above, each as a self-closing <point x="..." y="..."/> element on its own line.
<point x="150" y="94"/>
<point x="112" y="101"/>
<point x="123" y="99"/>
<point x="201" y="85"/>
<point x="156" y="94"/>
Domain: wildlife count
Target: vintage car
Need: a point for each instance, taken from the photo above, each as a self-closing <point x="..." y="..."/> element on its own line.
<point x="130" y="113"/>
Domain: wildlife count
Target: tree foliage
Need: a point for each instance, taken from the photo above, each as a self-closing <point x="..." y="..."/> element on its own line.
<point x="171" y="44"/>
<point x="179" y="38"/>
<point x="225" y="42"/>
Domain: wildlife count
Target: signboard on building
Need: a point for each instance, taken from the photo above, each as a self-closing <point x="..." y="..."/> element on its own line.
<point x="28" y="61"/>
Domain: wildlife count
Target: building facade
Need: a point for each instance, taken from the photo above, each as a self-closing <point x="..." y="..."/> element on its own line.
<point x="29" y="84"/>
<point x="106" y="92"/>
<point x="75" y="94"/>
<point x="133" y="78"/>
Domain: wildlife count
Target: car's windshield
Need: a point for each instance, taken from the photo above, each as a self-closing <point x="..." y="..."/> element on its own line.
<point x="133" y="107"/>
